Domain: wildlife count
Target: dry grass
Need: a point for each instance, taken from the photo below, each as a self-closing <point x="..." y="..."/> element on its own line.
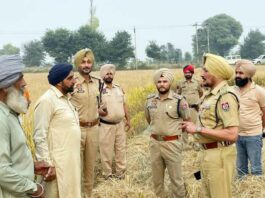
<point x="138" y="183"/>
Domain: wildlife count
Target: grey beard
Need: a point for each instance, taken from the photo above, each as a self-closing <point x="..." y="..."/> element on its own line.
<point x="16" y="101"/>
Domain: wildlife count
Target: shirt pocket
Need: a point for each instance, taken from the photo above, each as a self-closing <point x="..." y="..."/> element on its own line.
<point x="172" y="110"/>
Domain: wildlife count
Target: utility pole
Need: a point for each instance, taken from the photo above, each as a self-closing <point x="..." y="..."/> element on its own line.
<point x="208" y="37"/>
<point x="91" y="12"/>
<point x="135" y="51"/>
<point x="196" y="35"/>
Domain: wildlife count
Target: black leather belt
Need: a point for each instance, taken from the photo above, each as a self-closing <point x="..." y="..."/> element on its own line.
<point x="107" y="122"/>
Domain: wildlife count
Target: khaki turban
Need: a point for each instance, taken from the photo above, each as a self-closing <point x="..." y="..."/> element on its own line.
<point x="78" y="57"/>
<point x="11" y="68"/>
<point x="108" y="68"/>
<point x="164" y="72"/>
<point x="218" y="66"/>
<point x="247" y="67"/>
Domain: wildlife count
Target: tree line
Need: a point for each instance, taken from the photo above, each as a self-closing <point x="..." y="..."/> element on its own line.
<point x="218" y="34"/>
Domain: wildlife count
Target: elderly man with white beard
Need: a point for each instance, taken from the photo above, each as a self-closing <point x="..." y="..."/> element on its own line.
<point x="16" y="162"/>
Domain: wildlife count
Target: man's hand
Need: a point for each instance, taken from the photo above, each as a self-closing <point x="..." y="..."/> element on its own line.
<point x="127" y="125"/>
<point x="51" y="174"/>
<point x="189" y="127"/>
<point x="39" y="193"/>
<point x="102" y="112"/>
<point x="41" y="168"/>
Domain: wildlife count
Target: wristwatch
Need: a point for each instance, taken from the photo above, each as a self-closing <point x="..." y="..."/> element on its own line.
<point x="198" y="129"/>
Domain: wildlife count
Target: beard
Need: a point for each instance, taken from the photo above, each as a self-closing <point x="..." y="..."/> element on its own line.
<point x="188" y="77"/>
<point x="241" y="82"/>
<point x="66" y="89"/>
<point x="108" y="80"/>
<point x="163" y="90"/>
<point x="16" y="101"/>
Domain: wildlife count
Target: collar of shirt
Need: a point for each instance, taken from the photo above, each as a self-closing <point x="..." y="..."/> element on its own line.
<point x="218" y="87"/>
<point x="191" y="80"/>
<point x="107" y="87"/>
<point x="170" y="95"/>
<point x="81" y="79"/>
<point x="57" y="92"/>
<point x="252" y="86"/>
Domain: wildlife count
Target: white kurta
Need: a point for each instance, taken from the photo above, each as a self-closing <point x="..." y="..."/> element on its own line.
<point x="57" y="138"/>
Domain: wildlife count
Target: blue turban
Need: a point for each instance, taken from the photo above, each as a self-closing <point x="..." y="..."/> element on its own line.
<point x="58" y="73"/>
<point x="11" y="68"/>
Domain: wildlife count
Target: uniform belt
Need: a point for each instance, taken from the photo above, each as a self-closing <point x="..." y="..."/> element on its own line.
<point x="164" y="138"/>
<point x="212" y="145"/>
<point x="107" y="122"/>
<point x="89" y="124"/>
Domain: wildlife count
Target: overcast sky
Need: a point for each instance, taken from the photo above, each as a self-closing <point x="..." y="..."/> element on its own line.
<point x="160" y="20"/>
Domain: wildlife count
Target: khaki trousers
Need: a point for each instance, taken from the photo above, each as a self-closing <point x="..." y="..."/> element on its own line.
<point x="167" y="154"/>
<point x="89" y="150"/>
<point x="217" y="168"/>
<point x="112" y="140"/>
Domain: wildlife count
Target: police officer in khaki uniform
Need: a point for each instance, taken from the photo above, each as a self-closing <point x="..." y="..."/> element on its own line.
<point x="191" y="89"/>
<point x="112" y="136"/>
<point x="164" y="111"/>
<point x="217" y="128"/>
<point x="252" y="119"/>
<point x="85" y="98"/>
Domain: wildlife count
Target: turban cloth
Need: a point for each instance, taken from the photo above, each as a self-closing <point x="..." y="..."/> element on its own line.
<point x="11" y="68"/>
<point x="247" y="67"/>
<point x="58" y="73"/>
<point x="164" y="72"/>
<point x="188" y="68"/>
<point x="218" y="66"/>
<point x="108" y="68"/>
<point x="78" y="57"/>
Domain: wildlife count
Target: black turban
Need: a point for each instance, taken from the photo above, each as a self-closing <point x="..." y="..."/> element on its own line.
<point x="58" y="73"/>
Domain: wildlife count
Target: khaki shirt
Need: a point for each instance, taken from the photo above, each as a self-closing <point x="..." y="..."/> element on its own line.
<point x="227" y="110"/>
<point x="86" y="98"/>
<point x="16" y="162"/>
<point x="164" y="114"/>
<point x="190" y="90"/>
<point x="113" y="99"/>
<point x="251" y="102"/>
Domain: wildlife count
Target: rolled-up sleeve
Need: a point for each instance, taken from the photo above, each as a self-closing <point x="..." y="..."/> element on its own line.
<point x="42" y="116"/>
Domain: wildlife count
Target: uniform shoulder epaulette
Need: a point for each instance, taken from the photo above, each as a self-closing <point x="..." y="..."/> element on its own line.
<point x="179" y="97"/>
<point x="95" y="77"/>
<point x="117" y="85"/>
<point x="151" y="96"/>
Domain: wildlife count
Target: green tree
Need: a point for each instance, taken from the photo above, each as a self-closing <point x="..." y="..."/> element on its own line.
<point x="120" y="48"/>
<point x="59" y="44"/>
<point x="187" y="57"/>
<point x="86" y="37"/>
<point x="9" y="49"/>
<point x="224" y="32"/>
<point x="34" y="53"/>
<point x="253" y="45"/>
<point x="153" y="50"/>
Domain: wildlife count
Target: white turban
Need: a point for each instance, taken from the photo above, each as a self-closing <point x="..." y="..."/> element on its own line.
<point x="11" y="67"/>
<point x="247" y="67"/>
<point x="164" y="72"/>
<point x="107" y="68"/>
